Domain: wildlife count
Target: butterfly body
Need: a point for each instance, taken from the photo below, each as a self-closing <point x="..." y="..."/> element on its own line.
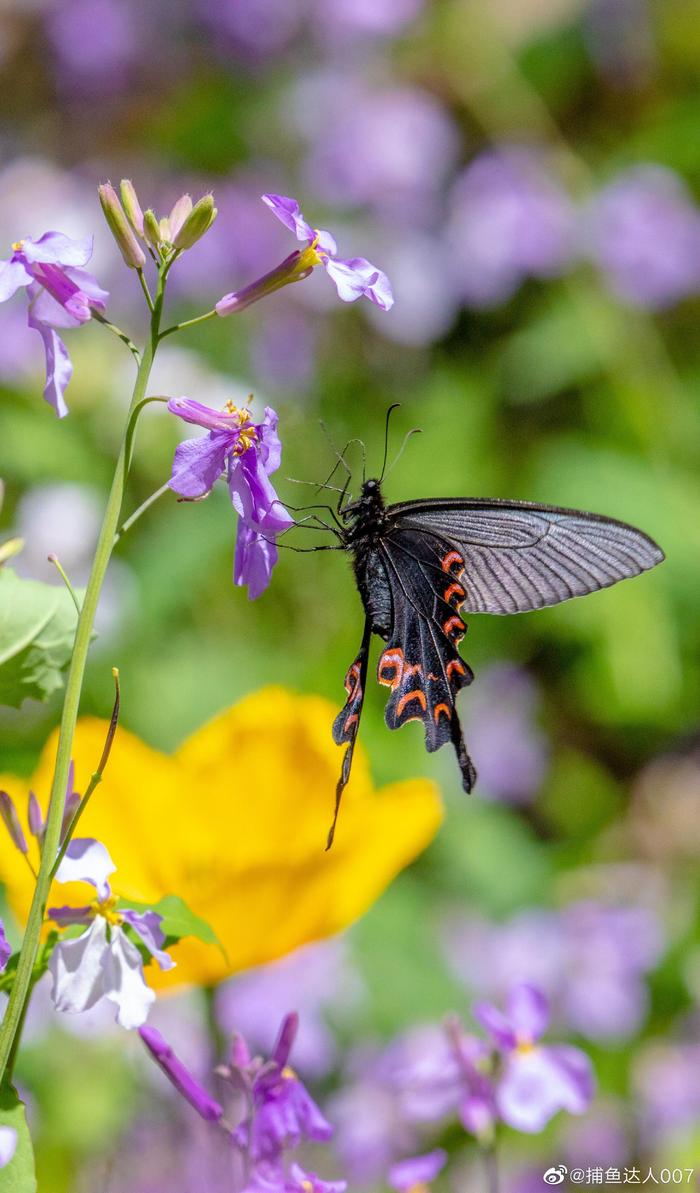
<point x="418" y="564"/>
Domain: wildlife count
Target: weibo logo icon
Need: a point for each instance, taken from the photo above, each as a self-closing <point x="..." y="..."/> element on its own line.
<point x="555" y="1175"/>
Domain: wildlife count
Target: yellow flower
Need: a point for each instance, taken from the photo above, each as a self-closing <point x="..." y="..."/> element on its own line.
<point x="235" y="823"/>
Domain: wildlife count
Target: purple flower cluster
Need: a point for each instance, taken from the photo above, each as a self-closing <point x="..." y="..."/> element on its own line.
<point x="245" y="453"/>
<point x="271" y="1112"/>
<point x="430" y="1075"/>
<point x="589" y="958"/>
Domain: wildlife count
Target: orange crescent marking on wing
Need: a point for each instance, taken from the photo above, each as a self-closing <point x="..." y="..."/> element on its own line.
<point x="416" y="694"/>
<point x="391" y="658"/>
<point x="349" y="721"/>
<point x="454" y="623"/>
<point x="455" y="665"/>
<point x="353" y="674"/>
<point x="441" y="708"/>
<point x="411" y="668"/>
<point x="450" y="559"/>
<point x="454" y="590"/>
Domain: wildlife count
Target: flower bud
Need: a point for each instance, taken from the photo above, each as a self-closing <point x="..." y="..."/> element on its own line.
<point x="35" y="817"/>
<point x="131" y="205"/>
<point x="151" y="228"/>
<point x="179" y="214"/>
<point x="8" y="812"/>
<point x="120" y="228"/>
<point x="199" y="221"/>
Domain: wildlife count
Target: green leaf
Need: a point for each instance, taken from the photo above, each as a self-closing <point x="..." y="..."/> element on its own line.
<point x="19" y="1175"/>
<point x="178" y="921"/>
<point x="37" y="628"/>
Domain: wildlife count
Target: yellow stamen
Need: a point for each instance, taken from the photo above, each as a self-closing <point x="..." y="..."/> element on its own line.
<point x="288" y="1073"/>
<point x="105" y="907"/>
<point x="18" y="246"/>
<point x="248" y="434"/>
<point x="524" y="1044"/>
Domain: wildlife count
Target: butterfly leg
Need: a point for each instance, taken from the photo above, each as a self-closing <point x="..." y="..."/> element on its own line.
<point x="347" y="723"/>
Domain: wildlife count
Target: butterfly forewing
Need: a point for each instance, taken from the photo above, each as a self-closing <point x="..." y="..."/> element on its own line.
<point x="519" y="557"/>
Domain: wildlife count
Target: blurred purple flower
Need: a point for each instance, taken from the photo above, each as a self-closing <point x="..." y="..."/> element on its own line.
<point x="312" y="978"/>
<point x="510" y="751"/>
<point x="61" y="294"/>
<point x="509" y="221"/>
<point x="5" y="948"/>
<point x="255" y="30"/>
<point x="666" y="1079"/>
<point x="537" y="1080"/>
<point x="353" y="277"/>
<point x="589" y="958"/>
<point x="417" y="1172"/>
<point x="643" y="232"/>
<point x="427" y="299"/>
<point x="246" y="453"/>
<point x="338" y="20"/>
<point x="283" y="348"/>
<point x="391" y="148"/>
<point x="96" y="43"/>
<point x="620" y="38"/>
<point x="102" y="963"/>
<point x="597" y="1137"/>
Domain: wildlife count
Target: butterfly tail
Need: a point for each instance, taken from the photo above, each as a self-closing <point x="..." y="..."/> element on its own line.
<point x="465" y="763"/>
<point x="347" y="723"/>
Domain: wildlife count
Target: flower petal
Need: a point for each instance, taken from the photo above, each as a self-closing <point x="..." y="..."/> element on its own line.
<point x="89" y="285"/>
<point x="147" y="927"/>
<point x="204" y="416"/>
<point x="56" y="249"/>
<point x="59" y="368"/>
<point x="418" y="1170"/>
<point x="124" y="983"/>
<point x="357" y="278"/>
<point x="87" y="860"/>
<point x="198" y="464"/>
<point x="65" y="916"/>
<point x="538" y="1083"/>
<point x="254" y="559"/>
<point x="12" y="275"/>
<point x="76" y="967"/>
<point x="528" y="1011"/>
<point x="289" y="213"/>
<point x="495" y="1023"/>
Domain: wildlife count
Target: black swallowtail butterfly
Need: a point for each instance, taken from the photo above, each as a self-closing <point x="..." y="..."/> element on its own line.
<point x="418" y="564"/>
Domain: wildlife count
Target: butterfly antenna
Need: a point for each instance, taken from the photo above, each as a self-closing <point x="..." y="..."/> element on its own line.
<point x="394" y="406"/>
<point x="407" y="436"/>
<point x="293" y="480"/>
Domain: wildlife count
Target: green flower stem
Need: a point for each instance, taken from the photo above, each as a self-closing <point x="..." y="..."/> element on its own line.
<point x="188" y="323"/>
<point x="21" y="989"/>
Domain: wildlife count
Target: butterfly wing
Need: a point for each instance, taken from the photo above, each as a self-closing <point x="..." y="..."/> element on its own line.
<point x="516" y="556"/>
<point x="421" y="664"/>
<point x="347" y="723"/>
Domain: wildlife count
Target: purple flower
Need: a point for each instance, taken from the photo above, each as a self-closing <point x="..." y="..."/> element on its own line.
<point x="509" y="221"/>
<point x="180" y="1076"/>
<point x="102" y="963"/>
<point x="5" y="948"/>
<point x="8" y="814"/>
<point x="246" y="453"/>
<point x="510" y="751"/>
<point x="282" y="1113"/>
<point x="537" y="1080"/>
<point x="644" y="234"/>
<point x="666" y="1077"/>
<point x="353" y="277"/>
<point x="61" y="294"/>
<point x="343" y="19"/>
<point x="417" y="1172"/>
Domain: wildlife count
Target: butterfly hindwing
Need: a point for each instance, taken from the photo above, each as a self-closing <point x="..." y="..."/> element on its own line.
<point x="347" y="723"/>
<point x="421" y="664"/>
